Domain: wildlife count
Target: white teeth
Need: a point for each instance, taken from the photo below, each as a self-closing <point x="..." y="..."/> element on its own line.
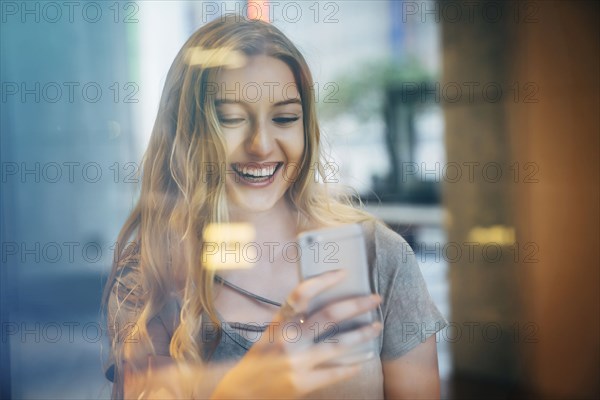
<point x="257" y="172"/>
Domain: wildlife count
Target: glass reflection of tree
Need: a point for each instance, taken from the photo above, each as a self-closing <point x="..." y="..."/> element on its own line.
<point x="407" y="100"/>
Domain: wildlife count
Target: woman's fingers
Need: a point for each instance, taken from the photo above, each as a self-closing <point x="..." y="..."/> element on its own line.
<point x="293" y="312"/>
<point x="343" y="310"/>
<point x="316" y="379"/>
<point x="340" y="345"/>
<point x="300" y="297"/>
<point x="315" y="375"/>
<point x="291" y="371"/>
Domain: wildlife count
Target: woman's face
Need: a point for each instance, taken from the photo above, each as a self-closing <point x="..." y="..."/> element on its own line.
<point x="260" y="114"/>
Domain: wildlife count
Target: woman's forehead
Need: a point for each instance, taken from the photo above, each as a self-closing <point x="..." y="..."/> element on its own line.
<point x="261" y="79"/>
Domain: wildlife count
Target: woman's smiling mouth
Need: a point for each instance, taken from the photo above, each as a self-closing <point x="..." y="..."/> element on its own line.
<point x="256" y="174"/>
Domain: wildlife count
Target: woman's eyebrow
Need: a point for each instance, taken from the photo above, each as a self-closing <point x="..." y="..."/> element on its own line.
<point x="218" y="102"/>
<point x="288" y="101"/>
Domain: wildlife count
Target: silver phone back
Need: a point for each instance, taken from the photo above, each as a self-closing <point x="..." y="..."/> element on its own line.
<point x="329" y="249"/>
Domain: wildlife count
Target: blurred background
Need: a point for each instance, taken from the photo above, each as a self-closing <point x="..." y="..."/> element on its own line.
<point x="471" y="128"/>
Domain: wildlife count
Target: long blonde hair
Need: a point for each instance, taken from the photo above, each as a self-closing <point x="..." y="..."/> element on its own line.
<point x="177" y="201"/>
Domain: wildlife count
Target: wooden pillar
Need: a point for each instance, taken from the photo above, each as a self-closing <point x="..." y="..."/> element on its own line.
<point x="560" y="212"/>
<point x="544" y="134"/>
<point x="483" y="296"/>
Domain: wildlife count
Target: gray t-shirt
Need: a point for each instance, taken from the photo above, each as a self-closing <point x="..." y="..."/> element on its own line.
<point x="408" y="314"/>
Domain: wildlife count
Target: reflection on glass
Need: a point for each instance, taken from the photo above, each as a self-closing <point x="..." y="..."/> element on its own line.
<point x="228" y="246"/>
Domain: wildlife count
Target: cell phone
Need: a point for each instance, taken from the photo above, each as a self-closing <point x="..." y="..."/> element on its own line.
<point x="329" y="249"/>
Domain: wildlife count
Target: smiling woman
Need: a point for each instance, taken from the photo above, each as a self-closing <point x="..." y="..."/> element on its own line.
<point x="239" y="95"/>
<point x="262" y="134"/>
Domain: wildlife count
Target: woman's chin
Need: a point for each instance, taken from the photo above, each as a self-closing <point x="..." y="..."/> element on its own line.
<point x="255" y="207"/>
<point x="247" y="205"/>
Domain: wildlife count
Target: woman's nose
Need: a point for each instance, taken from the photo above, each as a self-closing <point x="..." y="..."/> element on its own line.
<point x="260" y="142"/>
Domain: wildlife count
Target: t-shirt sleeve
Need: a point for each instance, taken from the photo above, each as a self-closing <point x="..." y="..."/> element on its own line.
<point x="409" y="314"/>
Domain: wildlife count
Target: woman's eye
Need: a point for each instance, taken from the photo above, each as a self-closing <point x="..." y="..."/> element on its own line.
<point x="285" y="120"/>
<point x="231" y="121"/>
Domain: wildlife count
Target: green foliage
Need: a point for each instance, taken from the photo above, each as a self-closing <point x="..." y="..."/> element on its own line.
<point x="362" y="91"/>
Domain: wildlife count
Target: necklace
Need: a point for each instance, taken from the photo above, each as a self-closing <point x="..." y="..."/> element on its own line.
<point x="245" y="292"/>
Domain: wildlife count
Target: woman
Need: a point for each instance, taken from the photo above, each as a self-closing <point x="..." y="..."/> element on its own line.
<point x="236" y="139"/>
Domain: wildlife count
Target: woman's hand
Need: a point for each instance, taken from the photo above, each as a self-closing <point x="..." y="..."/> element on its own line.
<point x="277" y="366"/>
